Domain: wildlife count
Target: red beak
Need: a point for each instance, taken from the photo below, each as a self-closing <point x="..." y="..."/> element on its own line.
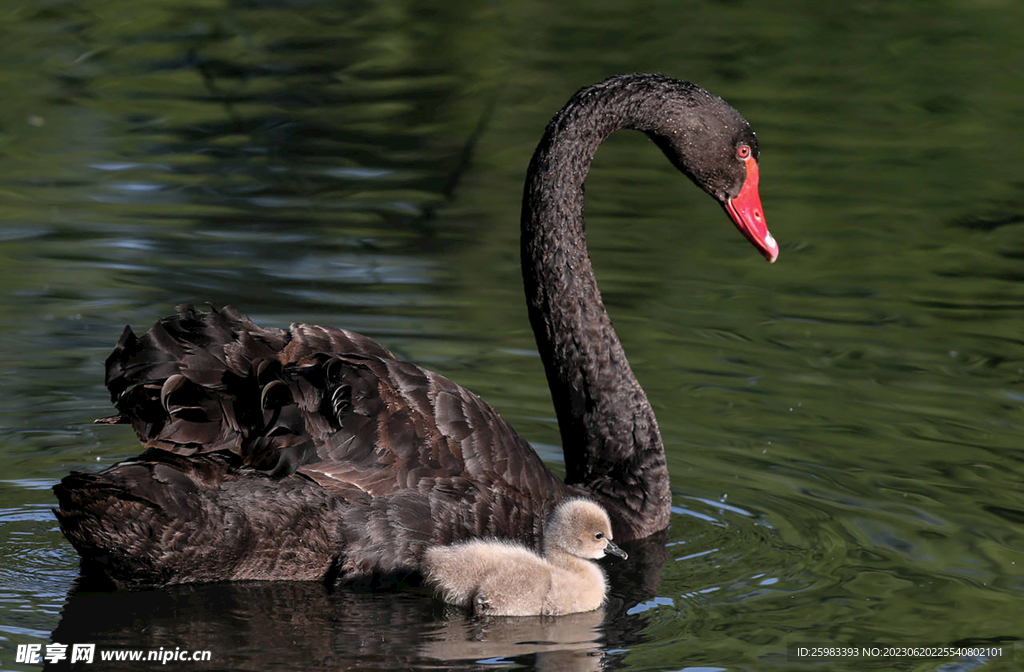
<point x="745" y="211"/>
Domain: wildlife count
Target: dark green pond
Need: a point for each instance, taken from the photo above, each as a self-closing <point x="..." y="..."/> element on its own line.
<point x="843" y="426"/>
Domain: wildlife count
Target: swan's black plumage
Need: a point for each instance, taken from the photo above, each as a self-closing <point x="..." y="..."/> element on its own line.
<point x="313" y="452"/>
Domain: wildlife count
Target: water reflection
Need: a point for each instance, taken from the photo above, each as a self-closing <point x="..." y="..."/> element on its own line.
<point x="285" y="625"/>
<point x="571" y="642"/>
<point x="253" y="626"/>
<point x="301" y="625"/>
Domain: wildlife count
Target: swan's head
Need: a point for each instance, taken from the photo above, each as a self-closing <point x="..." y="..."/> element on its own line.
<point x="714" y="145"/>
<point x="580" y="527"/>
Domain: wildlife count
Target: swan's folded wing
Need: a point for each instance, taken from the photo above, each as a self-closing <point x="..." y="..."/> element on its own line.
<point x="371" y="414"/>
<point x="385" y="427"/>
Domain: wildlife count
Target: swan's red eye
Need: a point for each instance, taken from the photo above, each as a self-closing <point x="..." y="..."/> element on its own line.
<point x="743" y="152"/>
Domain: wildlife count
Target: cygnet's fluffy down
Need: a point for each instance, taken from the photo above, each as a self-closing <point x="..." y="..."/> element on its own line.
<point x="500" y="578"/>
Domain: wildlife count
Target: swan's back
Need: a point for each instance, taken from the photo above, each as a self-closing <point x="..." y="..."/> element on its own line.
<point x="374" y="457"/>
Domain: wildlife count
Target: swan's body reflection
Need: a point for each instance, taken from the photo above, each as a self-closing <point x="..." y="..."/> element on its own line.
<point x="302" y="625"/>
<point x="306" y="625"/>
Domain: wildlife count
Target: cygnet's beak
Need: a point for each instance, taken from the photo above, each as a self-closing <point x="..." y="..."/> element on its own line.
<point x="612" y="549"/>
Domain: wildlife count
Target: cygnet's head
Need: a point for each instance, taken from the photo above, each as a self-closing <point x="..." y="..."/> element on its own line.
<point x="580" y="527"/>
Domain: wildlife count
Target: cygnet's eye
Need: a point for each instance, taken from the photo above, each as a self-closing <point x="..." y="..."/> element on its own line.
<point x="599" y="535"/>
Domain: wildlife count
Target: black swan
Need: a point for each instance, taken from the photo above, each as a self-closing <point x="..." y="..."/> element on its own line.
<point x="314" y="454"/>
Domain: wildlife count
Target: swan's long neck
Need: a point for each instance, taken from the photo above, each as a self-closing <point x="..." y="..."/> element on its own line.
<point x="609" y="433"/>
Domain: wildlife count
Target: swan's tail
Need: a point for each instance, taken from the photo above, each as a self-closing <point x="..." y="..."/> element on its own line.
<point x="162" y="519"/>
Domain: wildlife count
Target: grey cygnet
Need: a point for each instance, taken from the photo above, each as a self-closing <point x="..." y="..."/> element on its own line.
<point x="500" y="578"/>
